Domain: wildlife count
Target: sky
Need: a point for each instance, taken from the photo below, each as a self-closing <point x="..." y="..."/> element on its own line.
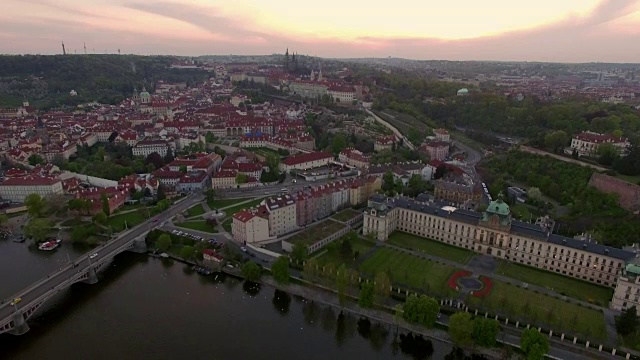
<point x="507" y="30"/>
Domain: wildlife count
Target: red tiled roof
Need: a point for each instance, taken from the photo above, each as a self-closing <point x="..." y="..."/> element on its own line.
<point x="303" y="158"/>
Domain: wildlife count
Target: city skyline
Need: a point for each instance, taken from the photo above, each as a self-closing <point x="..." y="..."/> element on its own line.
<point x="567" y="31"/>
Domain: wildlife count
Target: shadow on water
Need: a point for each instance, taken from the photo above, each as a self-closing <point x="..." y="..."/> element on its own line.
<point x="250" y="288"/>
<point x="281" y="302"/>
<point x="376" y="333"/>
<point x="346" y="326"/>
<point x="64" y="304"/>
<point x="459" y="354"/>
<point x="416" y="346"/>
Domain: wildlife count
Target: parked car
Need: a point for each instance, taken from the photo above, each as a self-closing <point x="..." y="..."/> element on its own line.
<point x="92" y="256"/>
<point x="243" y="248"/>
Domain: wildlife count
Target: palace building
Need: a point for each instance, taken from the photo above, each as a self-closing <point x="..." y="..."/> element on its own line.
<point x="495" y="233"/>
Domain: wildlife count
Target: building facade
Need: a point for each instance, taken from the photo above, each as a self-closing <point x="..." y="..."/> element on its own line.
<point x="627" y="292"/>
<point x="250" y="226"/>
<point x="18" y="188"/>
<point x="587" y="143"/>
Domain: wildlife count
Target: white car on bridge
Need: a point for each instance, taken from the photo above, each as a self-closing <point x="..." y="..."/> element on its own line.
<point x="93" y="255"/>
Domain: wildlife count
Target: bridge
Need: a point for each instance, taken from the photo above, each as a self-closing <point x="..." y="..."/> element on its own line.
<point x="13" y="318"/>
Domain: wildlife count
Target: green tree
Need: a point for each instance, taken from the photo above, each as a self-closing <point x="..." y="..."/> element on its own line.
<point x="461" y="327"/>
<point x="556" y="140"/>
<point x="607" y="154"/>
<point x="168" y="157"/>
<point x="211" y="195"/>
<point x="342" y="283"/>
<point x="35" y="204"/>
<point x="300" y="252"/>
<point x="534" y="194"/>
<point x="388" y="182"/>
<point x="628" y="321"/>
<point x="251" y="271"/>
<point x="164" y="242"/>
<point x="485" y="332"/>
<point x="187" y="252"/>
<point x="382" y="284"/>
<point x="241" y="178"/>
<point x="3" y="219"/>
<point x="534" y="344"/>
<point x="35" y="159"/>
<point x="346" y="249"/>
<point x="280" y="270"/>
<point x="100" y="218"/>
<point x="311" y="269"/>
<point x="366" y="295"/>
<point x="37" y="229"/>
<point x="421" y="310"/>
<point x="80" y="234"/>
<point x="106" y="209"/>
<point x="338" y="144"/>
<point x="209" y="137"/>
<point x="160" y="195"/>
<point x="183" y="169"/>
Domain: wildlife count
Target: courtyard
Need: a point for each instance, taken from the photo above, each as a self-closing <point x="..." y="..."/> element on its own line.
<point x="430" y="247"/>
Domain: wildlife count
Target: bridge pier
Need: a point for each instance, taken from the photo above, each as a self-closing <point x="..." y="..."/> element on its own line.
<point x="20" y="325"/>
<point x="92" y="276"/>
<point x="139" y="245"/>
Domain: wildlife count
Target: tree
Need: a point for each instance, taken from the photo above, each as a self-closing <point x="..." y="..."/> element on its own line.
<point x="209" y="137"/>
<point x="35" y="204"/>
<point x="183" y="169"/>
<point x="241" y="178"/>
<point x="342" y="283"/>
<point x="421" y="310"/>
<point x="80" y="234"/>
<point x="160" y="194"/>
<point x="388" y="181"/>
<point x="461" y="328"/>
<point x="311" y="269"/>
<point x="3" y="219"/>
<point x="106" y="208"/>
<point x="251" y="271"/>
<point x="210" y="194"/>
<point x="168" y="157"/>
<point x="155" y="159"/>
<point x="187" y="252"/>
<point x="100" y="218"/>
<point x="556" y="140"/>
<point x="35" y="159"/>
<point x="280" y="270"/>
<point x="80" y="205"/>
<point x="299" y="252"/>
<point x="607" y="154"/>
<point x="366" y="295"/>
<point x="534" y="194"/>
<point x="485" y="332"/>
<point x="628" y="321"/>
<point x="338" y="144"/>
<point x="164" y="242"/>
<point x="346" y="249"/>
<point x="38" y="229"/>
<point x="441" y="171"/>
<point x="382" y="284"/>
<point x="534" y="344"/>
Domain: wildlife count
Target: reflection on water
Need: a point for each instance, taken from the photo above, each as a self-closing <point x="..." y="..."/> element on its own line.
<point x="281" y="301"/>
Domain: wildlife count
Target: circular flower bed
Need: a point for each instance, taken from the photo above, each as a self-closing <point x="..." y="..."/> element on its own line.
<point x="453" y="280"/>
<point x="486" y="290"/>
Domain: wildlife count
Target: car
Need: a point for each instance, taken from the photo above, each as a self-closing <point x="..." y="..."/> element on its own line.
<point x="294" y="181"/>
<point x="243" y="248"/>
<point x="92" y="256"/>
<point x="155" y="220"/>
<point x="16" y="300"/>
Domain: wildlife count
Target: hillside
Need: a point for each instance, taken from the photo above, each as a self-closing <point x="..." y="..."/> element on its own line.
<point x="46" y="80"/>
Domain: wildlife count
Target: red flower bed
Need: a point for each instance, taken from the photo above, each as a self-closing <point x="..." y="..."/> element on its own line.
<point x="454" y="278"/>
<point x="486" y="290"/>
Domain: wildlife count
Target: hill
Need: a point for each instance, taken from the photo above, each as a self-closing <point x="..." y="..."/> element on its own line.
<point x="46" y="80"/>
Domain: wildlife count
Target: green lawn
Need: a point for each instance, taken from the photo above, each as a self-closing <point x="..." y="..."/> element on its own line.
<point x="317" y="232"/>
<point x="575" y="288"/>
<point x="410" y="270"/>
<point x="132" y="219"/>
<point x="537" y="308"/>
<point x="198" y="225"/>
<point x="431" y="247"/>
<point x="345" y="215"/>
<point x="221" y="203"/>
<point x="234" y="209"/>
<point x="74" y="222"/>
<point x="227" y="225"/>
<point x="195" y="210"/>
<point x="331" y="254"/>
<point x="522" y="211"/>
<point x="634" y="179"/>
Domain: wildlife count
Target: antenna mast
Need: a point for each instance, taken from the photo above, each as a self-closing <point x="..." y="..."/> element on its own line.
<point x="85" y="48"/>
<point x="64" y="52"/>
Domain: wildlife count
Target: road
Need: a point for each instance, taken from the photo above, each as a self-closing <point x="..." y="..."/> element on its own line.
<point x="60" y="278"/>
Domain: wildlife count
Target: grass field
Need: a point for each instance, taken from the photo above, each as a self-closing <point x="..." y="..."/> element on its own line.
<point x="317" y="232"/>
<point x="634" y="179"/>
<point x="195" y="210"/>
<point x="410" y="270"/>
<point x="221" y="203"/>
<point x="331" y="254"/>
<point x="74" y="222"/>
<point x="227" y="225"/>
<point x="345" y="215"/>
<point x="575" y="288"/>
<point x="522" y="211"/>
<point x="132" y="219"/>
<point x="538" y="308"/>
<point x="431" y="247"/>
<point x="234" y="209"/>
<point x="198" y="225"/>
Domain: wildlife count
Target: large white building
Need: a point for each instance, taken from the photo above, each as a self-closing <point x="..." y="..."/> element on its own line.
<point x="627" y="293"/>
<point x="147" y="147"/>
<point x="587" y="143"/>
<point x="18" y="188"/>
<point x="282" y="215"/>
<point x="250" y="226"/>
<point x="495" y="233"/>
<point x="306" y="161"/>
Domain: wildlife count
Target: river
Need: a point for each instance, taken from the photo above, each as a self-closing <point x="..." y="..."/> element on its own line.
<point x="148" y="308"/>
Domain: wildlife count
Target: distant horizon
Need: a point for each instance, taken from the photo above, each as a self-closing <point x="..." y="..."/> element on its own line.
<point x="568" y="31"/>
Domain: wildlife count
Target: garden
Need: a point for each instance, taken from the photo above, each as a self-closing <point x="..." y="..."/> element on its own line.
<point x="431" y="247"/>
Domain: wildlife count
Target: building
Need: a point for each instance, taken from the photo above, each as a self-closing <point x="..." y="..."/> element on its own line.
<point x="309" y="90"/>
<point x="587" y="143"/>
<point x="211" y="255"/>
<point x="457" y="192"/>
<point x="342" y="94"/>
<point x="16" y="189"/>
<point x="384" y="143"/>
<point x="627" y="292"/>
<point x="493" y="232"/>
<point x="442" y="135"/>
<point x="353" y="157"/>
<point x="193" y="181"/>
<point x="147" y="147"/>
<point x="306" y="161"/>
<point x="250" y="226"/>
<point x="437" y="150"/>
<point x="281" y="214"/>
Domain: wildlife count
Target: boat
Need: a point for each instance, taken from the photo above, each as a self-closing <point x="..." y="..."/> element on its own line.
<point x="49" y="245"/>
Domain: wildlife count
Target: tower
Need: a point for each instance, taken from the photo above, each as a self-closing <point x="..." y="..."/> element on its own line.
<point x="85" y="48"/>
<point x="286" y="60"/>
<point x="319" y="71"/>
<point x="64" y="52"/>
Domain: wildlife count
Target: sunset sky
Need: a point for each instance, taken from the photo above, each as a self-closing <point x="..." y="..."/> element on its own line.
<point x="540" y="30"/>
